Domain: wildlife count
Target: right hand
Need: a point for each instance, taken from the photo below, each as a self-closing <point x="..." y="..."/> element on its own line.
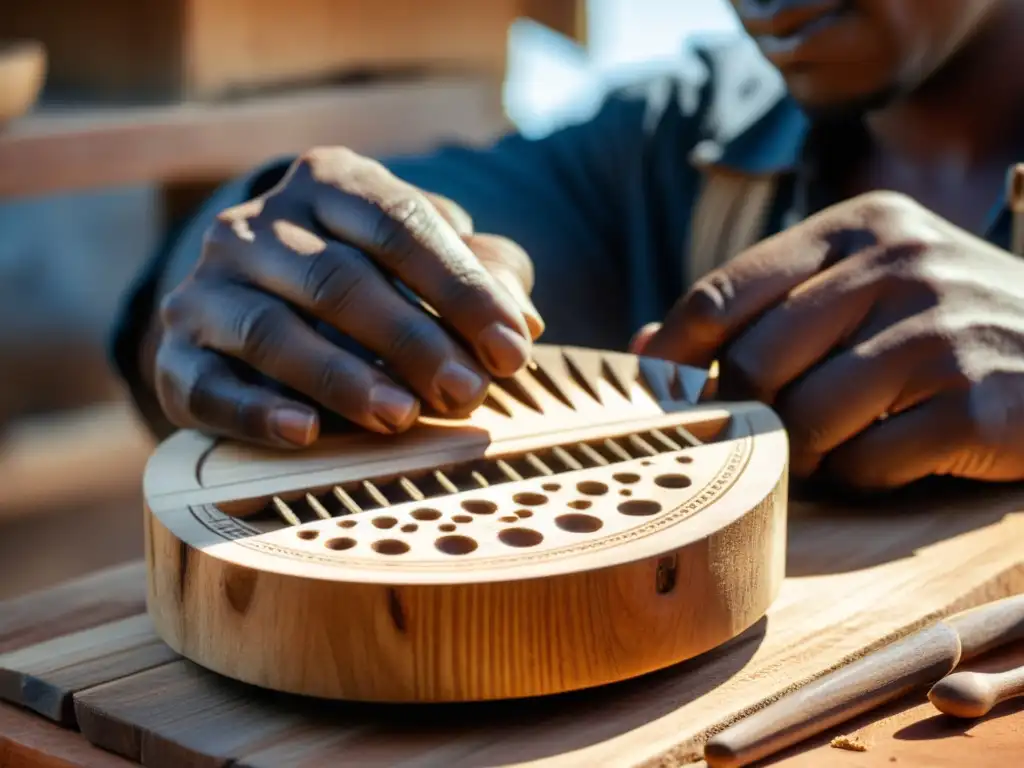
<point x="319" y="244"/>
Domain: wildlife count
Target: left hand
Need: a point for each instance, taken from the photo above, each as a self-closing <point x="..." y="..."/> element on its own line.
<point x="890" y="342"/>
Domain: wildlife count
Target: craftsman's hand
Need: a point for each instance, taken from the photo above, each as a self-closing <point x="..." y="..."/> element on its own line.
<point x="321" y="246"/>
<point x="889" y="341"/>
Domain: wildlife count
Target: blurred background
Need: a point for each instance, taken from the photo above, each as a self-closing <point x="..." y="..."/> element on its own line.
<point x="117" y="117"/>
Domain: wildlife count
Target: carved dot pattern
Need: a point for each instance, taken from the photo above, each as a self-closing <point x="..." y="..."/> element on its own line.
<point x="580" y="521"/>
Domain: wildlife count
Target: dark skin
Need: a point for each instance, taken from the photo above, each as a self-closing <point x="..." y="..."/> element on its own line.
<point x="887" y="334"/>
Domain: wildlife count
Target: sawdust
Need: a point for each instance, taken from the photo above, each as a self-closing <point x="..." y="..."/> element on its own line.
<point x="849" y="743"/>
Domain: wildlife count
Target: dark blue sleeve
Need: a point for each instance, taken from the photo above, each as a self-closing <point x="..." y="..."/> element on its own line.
<point x="601" y="208"/>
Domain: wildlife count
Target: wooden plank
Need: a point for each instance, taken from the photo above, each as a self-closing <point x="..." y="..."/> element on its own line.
<point x="44" y="677"/>
<point x="208" y="48"/>
<point x="28" y="741"/>
<point x="179" y="714"/>
<point x="61" y="150"/>
<point x="88" y="602"/>
<point x="856" y="580"/>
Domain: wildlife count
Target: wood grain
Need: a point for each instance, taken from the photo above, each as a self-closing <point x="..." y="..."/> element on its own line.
<point x="62" y="150"/>
<point x="859" y="580"/>
<point x="116" y="49"/>
<point x="911" y="733"/>
<point x="45" y="676"/>
<point x="888" y="674"/>
<point x="567" y="552"/>
<point x="105" y="596"/>
<point x="28" y="741"/>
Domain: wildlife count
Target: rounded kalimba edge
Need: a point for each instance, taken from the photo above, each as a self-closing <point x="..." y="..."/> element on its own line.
<point x="475" y="640"/>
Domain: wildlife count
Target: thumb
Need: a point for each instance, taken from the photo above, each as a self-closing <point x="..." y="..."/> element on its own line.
<point x="641" y="338"/>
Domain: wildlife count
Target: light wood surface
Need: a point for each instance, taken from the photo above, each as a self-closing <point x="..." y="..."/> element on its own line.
<point x="572" y="532"/>
<point x="879" y="678"/>
<point x="68" y="149"/>
<point x="916" y="662"/>
<point x="858" y="578"/>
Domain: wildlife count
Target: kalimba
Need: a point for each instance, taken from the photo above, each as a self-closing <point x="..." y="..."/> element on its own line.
<point x="589" y="523"/>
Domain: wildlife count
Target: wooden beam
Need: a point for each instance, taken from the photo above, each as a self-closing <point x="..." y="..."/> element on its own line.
<point x="60" y="150"/>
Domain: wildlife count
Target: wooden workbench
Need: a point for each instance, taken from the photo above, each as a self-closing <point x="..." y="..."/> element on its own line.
<point x="855" y="579"/>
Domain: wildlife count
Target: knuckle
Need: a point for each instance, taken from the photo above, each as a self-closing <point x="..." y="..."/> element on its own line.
<point x="257" y="327"/>
<point x="174" y="307"/>
<point x="333" y="284"/>
<point x="410" y="338"/>
<point x="402" y="222"/>
<point x="884" y="205"/>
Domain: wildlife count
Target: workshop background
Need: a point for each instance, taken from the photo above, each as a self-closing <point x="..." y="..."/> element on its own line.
<point x="117" y="117"/>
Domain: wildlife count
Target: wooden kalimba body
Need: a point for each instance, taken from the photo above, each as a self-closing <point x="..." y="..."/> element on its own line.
<point x="589" y="523"/>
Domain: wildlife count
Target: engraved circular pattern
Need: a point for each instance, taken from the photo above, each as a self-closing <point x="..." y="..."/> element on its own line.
<point x="699" y="499"/>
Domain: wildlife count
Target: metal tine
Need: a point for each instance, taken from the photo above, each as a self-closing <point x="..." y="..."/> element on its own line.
<point x="617" y="449"/>
<point x="480" y="479"/>
<point x="317" y="507"/>
<point x="593" y="455"/>
<point x="286" y="512"/>
<point x="508" y="470"/>
<point x="539" y="465"/>
<point x="566" y="458"/>
<point x="444" y="481"/>
<point x="665" y="440"/>
<point x="688" y="437"/>
<point x="376" y="494"/>
<point x="346" y="501"/>
<point x="411" y="490"/>
<point x="643" y="445"/>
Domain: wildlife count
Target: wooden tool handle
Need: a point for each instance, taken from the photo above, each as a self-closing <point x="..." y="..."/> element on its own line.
<point x="989" y="626"/>
<point x="920" y="659"/>
<point x="974" y="694"/>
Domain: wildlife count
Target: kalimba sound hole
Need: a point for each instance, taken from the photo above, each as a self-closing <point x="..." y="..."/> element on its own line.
<point x="462" y="519"/>
<point x="390" y="547"/>
<point x="627" y="478"/>
<point x="426" y="514"/>
<point x="684" y="459"/>
<point x="308" y="535"/>
<point x="508" y="519"/>
<point x="446" y="527"/>
<point x="455" y="545"/>
<point x="592" y="488"/>
<point x="409" y="528"/>
<point x="520" y="537"/>
<point x="580" y="504"/>
<point x="479" y="507"/>
<point x="347" y="523"/>
<point x="577" y="523"/>
<point x="341" y="544"/>
<point x="524" y="513"/>
<point x="530" y="499"/>
<point x="551" y="487"/>
<point x="639" y="507"/>
<point x="672" y="481"/>
<point x="384" y="522"/>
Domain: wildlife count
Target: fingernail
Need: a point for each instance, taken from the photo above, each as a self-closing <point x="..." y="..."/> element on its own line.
<point x="530" y="312"/>
<point x="504" y="350"/>
<point x="294" y="426"/>
<point x="457" y="385"/>
<point x="392" y="407"/>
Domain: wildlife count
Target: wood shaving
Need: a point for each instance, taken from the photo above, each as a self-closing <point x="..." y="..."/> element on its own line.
<point x="849" y="743"/>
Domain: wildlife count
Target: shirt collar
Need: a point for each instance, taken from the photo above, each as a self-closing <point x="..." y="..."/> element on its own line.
<point x="751" y="125"/>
